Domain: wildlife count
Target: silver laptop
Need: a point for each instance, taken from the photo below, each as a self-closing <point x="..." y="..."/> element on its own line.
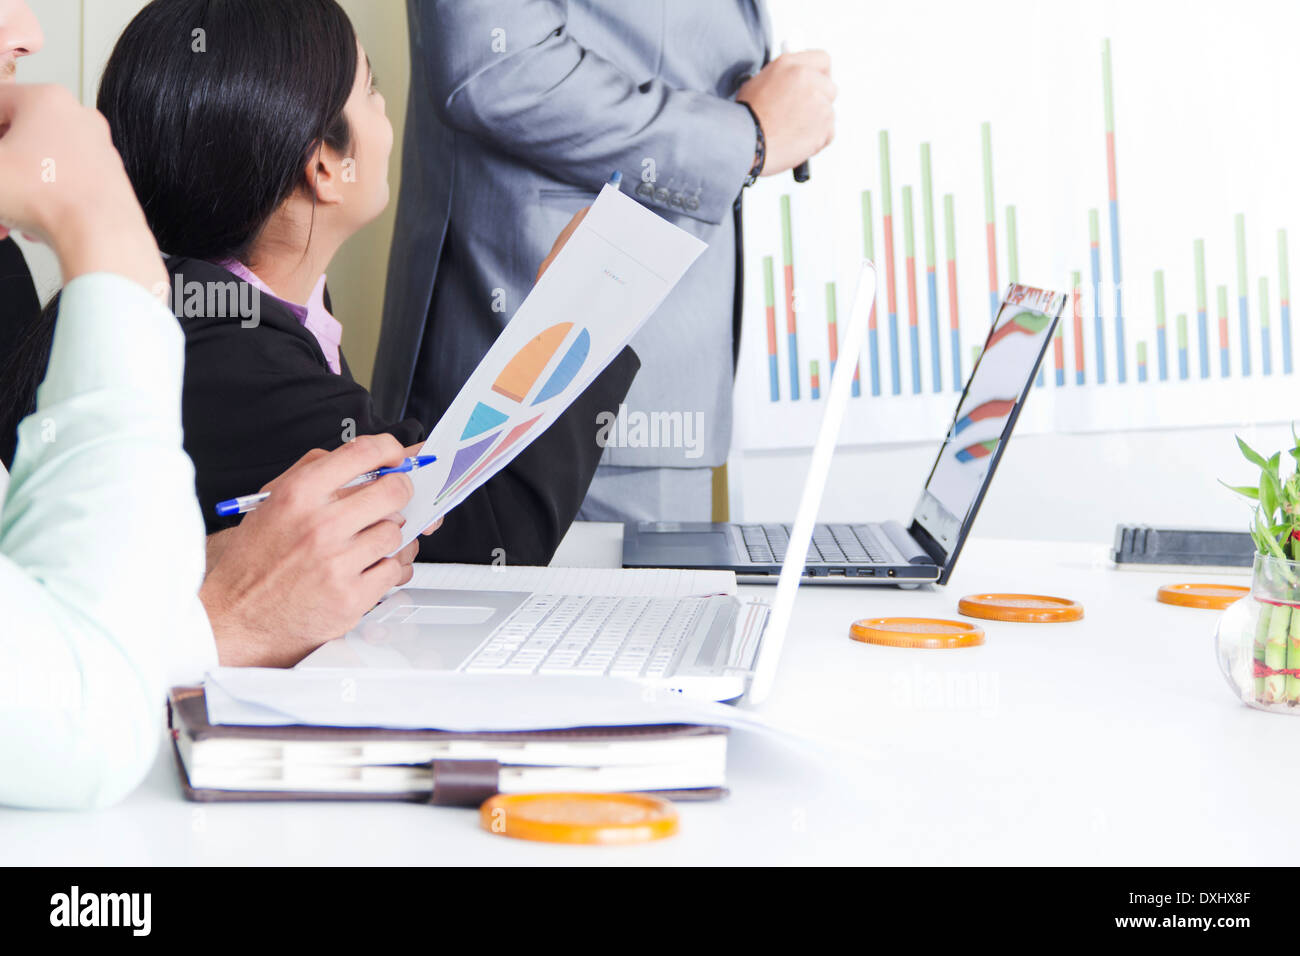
<point x="888" y="552"/>
<point x="716" y="647"/>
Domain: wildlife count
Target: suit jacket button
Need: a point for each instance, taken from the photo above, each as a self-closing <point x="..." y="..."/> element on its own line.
<point x="645" y="189"/>
<point x="691" y="204"/>
<point x="661" y="195"/>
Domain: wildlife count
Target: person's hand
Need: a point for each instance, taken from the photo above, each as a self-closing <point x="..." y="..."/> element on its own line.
<point x="62" y="182"/>
<point x="303" y="568"/>
<point x="562" y="239"/>
<point x="792" y="97"/>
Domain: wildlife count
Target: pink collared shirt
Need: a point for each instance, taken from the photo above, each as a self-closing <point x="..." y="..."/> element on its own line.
<point x="315" y="318"/>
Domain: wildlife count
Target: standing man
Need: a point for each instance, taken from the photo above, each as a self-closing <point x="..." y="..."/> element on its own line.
<point x="519" y="111"/>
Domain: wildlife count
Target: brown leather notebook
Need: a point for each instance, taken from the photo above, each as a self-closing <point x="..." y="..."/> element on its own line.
<point x="443" y="781"/>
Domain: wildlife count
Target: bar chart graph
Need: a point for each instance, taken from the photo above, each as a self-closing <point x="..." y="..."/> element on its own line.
<point x="1106" y="366"/>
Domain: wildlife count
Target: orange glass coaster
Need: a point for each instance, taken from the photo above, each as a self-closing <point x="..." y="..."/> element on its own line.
<point x="1214" y="597"/>
<point x="1031" y="608"/>
<point x="916" y="632"/>
<point x="579" y="817"/>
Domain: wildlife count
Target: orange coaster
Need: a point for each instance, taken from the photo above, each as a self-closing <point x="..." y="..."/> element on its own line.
<point x="579" y="817"/>
<point x="916" y="632"/>
<point x="1032" y="608"/>
<point x="1214" y="597"/>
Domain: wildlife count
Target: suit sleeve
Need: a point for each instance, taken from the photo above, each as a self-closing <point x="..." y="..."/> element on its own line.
<point x="507" y="72"/>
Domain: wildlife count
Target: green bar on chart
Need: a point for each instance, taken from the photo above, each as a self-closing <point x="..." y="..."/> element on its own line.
<point x="1202" y="308"/>
<point x="1243" y="310"/>
<point x="931" y="269"/>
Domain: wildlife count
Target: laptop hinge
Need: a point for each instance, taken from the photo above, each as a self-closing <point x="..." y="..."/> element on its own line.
<point x="927" y="543"/>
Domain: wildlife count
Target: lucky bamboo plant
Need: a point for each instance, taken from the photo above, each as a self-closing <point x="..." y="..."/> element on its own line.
<point x="1276" y="530"/>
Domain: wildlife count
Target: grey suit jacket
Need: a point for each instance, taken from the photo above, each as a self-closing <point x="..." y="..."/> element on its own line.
<point x="519" y="110"/>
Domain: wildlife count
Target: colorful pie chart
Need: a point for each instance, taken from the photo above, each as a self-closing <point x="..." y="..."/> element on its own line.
<point x="521" y="372"/>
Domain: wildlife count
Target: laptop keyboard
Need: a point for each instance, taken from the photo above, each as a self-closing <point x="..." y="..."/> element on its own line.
<point x="596" y="636"/>
<point x="831" y="544"/>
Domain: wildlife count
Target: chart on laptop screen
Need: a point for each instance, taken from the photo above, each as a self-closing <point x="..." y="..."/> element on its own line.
<point x="1135" y="156"/>
<point x="996" y="385"/>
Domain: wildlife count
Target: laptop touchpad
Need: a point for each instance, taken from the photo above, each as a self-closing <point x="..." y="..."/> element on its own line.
<point x="690" y="543"/>
<point x="450" y="614"/>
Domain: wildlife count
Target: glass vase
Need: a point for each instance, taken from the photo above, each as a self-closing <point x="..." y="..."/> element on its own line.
<point x="1258" y="639"/>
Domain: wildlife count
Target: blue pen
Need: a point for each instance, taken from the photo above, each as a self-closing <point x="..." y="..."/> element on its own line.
<point x="616" y="179"/>
<point x="246" y="503"/>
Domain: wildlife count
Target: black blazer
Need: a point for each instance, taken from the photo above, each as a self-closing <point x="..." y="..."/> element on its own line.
<point x="24" y="345"/>
<point x="18" y="303"/>
<point x="256" y="399"/>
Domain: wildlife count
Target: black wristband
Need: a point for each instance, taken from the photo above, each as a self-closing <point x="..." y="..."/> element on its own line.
<point x="760" y="147"/>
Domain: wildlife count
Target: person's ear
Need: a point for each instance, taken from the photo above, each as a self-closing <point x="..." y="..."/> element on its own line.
<point x="326" y="172"/>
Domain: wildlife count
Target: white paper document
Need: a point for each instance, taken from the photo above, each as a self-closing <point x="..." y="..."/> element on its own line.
<point x="611" y="275"/>
<point x="449" y="701"/>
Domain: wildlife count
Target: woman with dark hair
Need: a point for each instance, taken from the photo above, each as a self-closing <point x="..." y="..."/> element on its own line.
<point x="257" y="144"/>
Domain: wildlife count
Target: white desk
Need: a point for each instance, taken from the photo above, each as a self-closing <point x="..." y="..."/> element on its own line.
<point x="1112" y="740"/>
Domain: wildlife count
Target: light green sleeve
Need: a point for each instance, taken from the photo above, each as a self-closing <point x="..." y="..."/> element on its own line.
<point x="101" y="554"/>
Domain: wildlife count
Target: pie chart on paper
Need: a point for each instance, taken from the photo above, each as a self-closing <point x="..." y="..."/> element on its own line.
<point x="524" y="375"/>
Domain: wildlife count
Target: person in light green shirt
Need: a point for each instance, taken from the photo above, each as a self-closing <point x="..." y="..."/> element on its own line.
<point x="101" y="542"/>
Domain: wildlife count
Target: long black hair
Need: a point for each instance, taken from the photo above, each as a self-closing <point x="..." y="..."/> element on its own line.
<point x="216" y="107"/>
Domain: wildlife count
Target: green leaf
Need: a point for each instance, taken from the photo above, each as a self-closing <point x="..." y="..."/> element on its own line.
<point x="1263" y="537"/>
<point x="1247" y="490"/>
<point x="1252" y="456"/>
<point x="1273" y="464"/>
<point x="1269" y="493"/>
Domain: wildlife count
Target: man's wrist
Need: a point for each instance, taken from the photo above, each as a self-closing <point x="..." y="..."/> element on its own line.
<point x="760" y="147"/>
<point x="102" y="244"/>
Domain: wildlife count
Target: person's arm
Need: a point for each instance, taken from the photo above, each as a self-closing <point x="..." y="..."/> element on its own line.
<point x="507" y="72"/>
<point x="100" y="554"/>
<point x="570" y="112"/>
<point x="100" y="543"/>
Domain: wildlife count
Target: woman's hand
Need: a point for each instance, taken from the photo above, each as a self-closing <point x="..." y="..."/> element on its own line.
<point x="561" y="240"/>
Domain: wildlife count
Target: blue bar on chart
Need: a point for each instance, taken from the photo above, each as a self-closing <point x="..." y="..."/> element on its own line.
<point x="1242" y="309"/>
<point x="1284" y="298"/>
<point x="1162" y="338"/>
<point x="1094" y="251"/>
<point x="769" y="300"/>
<point x="891" y="298"/>
<point x="954" y="325"/>
<point x="1225" y="366"/>
<point x="931" y="276"/>
<point x="791" y="322"/>
<point x="1114" y="214"/>
<point x="1202" y="307"/>
<point x="909" y="264"/>
<point x="1182" y="346"/>
<point x="1265" y="332"/>
<point x="873" y="333"/>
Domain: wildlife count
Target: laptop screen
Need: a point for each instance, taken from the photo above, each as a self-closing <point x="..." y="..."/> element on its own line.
<point x="995" y="391"/>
